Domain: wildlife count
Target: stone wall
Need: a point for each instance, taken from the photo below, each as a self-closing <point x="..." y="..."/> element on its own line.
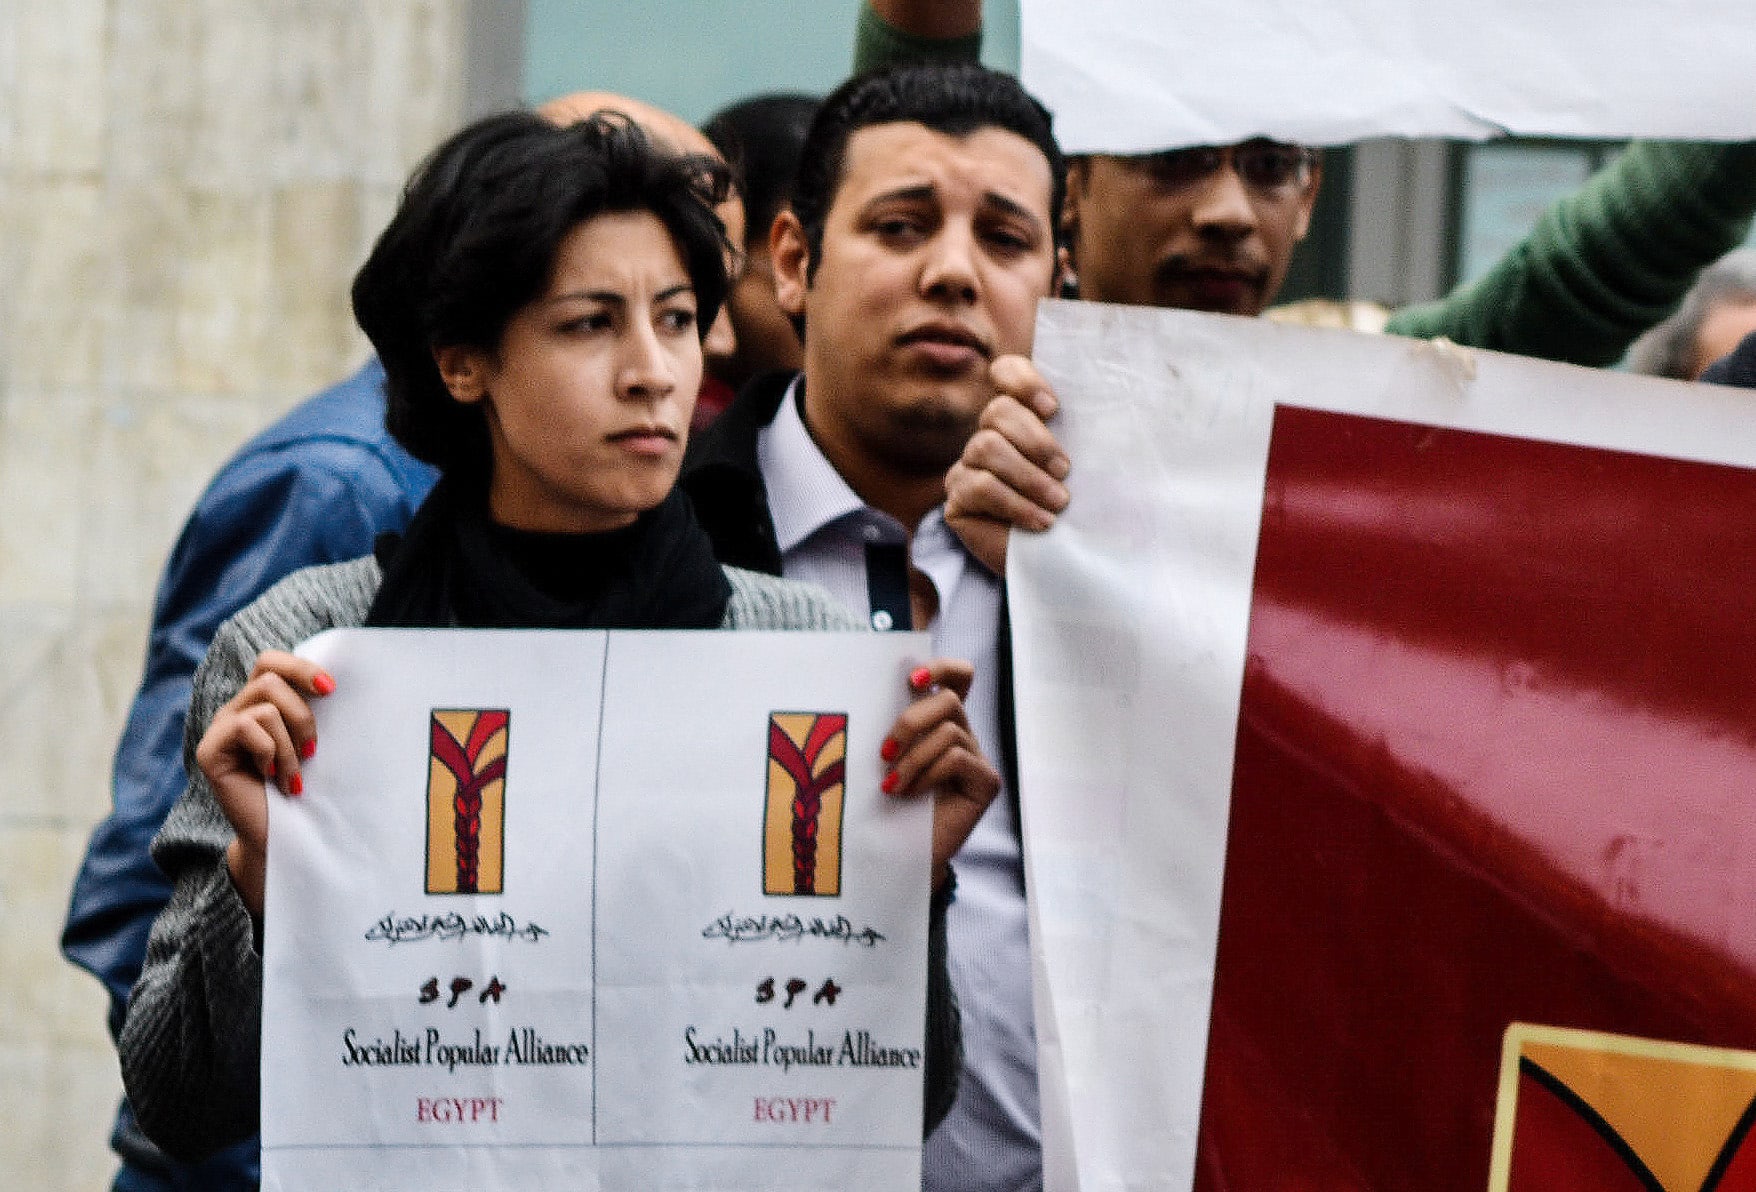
<point x="186" y="187"/>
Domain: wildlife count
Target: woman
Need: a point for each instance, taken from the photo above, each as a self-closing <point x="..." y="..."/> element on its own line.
<point x="538" y="302"/>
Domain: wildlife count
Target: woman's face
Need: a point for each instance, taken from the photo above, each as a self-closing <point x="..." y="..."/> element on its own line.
<point x="589" y="396"/>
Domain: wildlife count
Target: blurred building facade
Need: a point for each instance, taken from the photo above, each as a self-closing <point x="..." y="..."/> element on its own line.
<point x="185" y="191"/>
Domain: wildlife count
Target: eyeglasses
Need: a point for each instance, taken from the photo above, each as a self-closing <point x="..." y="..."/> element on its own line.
<point x="1271" y="168"/>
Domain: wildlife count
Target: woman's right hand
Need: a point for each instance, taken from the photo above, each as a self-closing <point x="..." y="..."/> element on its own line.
<point x="262" y="732"/>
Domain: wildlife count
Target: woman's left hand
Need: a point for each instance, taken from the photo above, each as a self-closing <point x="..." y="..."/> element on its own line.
<point x="931" y="748"/>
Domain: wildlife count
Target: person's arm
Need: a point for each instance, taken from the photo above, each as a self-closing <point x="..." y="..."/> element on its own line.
<point x="894" y="31"/>
<point x="263" y="518"/>
<point x="1607" y="262"/>
<point x="1738" y="369"/>
<point x="190" y="1042"/>
<point x="318" y="493"/>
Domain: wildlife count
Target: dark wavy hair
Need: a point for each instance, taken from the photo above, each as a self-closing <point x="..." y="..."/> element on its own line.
<point x="474" y="241"/>
<point x="954" y="98"/>
<point x="762" y="137"/>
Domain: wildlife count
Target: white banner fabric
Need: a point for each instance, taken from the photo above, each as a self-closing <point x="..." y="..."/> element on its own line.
<point x="1133" y="76"/>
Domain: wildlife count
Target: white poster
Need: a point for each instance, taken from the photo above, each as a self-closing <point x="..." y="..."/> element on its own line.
<point x="1132" y="76"/>
<point x="597" y="910"/>
<point x="1500" y="629"/>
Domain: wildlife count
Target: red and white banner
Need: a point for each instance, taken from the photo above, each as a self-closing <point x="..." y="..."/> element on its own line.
<point x="1381" y="706"/>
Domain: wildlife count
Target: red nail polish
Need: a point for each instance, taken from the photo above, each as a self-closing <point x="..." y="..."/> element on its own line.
<point x="322" y="683"/>
<point x="888" y="786"/>
<point x="920" y="677"/>
<point x="308" y="749"/>
<point x="295" y="785"/>
<point x="889" y="749"/>
<point x="269" y="772"/>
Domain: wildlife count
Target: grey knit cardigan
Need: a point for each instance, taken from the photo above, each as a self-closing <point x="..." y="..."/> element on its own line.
<point x="191" y="1043"/>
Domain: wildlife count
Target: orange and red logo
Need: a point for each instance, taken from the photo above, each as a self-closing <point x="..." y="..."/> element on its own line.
<point x="801" y="838"/>
<point x="1582" y="1110"/>
<point x="466" y="801"/>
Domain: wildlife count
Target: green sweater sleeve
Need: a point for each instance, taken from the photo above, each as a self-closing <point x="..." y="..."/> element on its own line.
<point x="1607" y="262"/>
<point x="878" y="43"/>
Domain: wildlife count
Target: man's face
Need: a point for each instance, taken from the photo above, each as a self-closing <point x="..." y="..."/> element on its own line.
<point x="722" y="336"/>
<point x="1203" y="229"/>
<point x="764" y="337"/>
<point x="935" y="251"/>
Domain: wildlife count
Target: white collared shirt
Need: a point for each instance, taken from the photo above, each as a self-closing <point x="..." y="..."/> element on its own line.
<point x="991" y="1141"/>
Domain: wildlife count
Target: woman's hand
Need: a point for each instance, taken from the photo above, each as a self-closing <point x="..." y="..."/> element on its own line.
<point x="264" y="731"/>
<point x="931" y="748"/>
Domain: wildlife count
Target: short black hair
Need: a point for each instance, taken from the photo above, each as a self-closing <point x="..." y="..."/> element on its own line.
<point x="474" y="241"/>
<point x="762" y="137"/>
<point x="954" y="98"/>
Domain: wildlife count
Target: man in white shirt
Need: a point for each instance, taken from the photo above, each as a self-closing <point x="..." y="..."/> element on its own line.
<point x="921" y="235"/>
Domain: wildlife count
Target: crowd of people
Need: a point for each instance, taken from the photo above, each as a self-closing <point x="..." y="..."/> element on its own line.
<point x="837" y="298"/>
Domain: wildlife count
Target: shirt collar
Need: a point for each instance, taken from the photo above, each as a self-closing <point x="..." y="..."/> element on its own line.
<point x="805" y="492"/>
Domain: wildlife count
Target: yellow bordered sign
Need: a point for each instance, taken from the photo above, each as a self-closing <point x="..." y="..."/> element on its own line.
<point x="807" y="786"/>
<point x="466" y="800"/>
<point x="1584" y="1110"/>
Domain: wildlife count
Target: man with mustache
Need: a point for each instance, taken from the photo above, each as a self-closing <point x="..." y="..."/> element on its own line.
<point x="1205" y="229"/>
<point x="1214" y="228"/>
<point x="920" y="238"/>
